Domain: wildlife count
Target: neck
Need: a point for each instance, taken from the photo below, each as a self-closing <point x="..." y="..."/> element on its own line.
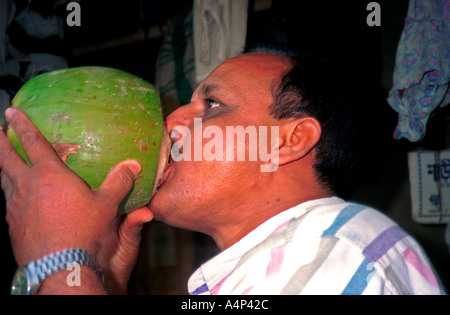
<point x="264" y="204"/>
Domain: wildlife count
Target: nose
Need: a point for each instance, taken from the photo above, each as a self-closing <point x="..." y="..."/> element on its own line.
<point x="178" y="120"/>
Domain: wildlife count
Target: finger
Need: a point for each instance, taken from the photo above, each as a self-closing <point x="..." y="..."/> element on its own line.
<point x="10" y="161"/>
<point x="130" y="230"/>
<point x="36" y="147"/>
<point x="6" y="185"/>
<point x="120" y="180"/>
<point x="136" y="219"/>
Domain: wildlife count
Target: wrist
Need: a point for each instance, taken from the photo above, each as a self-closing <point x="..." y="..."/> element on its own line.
<point x="26" y="254"/>
<point x="28" y="278"/>
<point x="81" y="280"/>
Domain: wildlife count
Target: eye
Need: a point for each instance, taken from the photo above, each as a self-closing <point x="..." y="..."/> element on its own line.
<point x="210" y="103"/>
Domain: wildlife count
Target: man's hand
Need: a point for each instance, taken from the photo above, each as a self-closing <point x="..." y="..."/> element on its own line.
<point x="50" y="208"/>
<point x="119" y="254"/>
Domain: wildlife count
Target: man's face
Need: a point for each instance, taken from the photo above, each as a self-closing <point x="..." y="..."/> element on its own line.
<point x="200" y="191"/>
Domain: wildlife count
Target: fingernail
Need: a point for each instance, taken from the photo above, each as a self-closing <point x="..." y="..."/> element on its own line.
<point x="135" y="168"/>
<point x="9" y="113"/>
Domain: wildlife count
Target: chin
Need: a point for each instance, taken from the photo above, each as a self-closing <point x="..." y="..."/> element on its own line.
<point x="172" y="212"/>
<point x="157" y="205"/>
<point x="163" y="206"/>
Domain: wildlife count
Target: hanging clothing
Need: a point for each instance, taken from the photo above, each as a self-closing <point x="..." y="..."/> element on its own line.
<point x="422" y="70"/>
<point x="31" y="43"/>
<point x="175" y="66"/>
<point x="8" y="68"/>
<point x="220" y="30"/>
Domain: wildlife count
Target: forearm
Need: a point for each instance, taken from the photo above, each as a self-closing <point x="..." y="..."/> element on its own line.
<point x="80" y="280"/>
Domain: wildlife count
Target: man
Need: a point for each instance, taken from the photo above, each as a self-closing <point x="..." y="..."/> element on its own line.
<point x="280" y="232"/>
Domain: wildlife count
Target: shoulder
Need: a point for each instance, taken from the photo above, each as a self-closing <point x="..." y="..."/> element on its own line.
<point x="362" y="227"/>
<point x="364" y="251"/>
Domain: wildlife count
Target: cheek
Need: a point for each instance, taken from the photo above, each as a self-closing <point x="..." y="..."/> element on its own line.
<point x="198" y="184"/>
<point x="221" y="158"/>
<point x="213" y="168"/>
<point x="207" y="180"/>
<point x="194" y="191"/>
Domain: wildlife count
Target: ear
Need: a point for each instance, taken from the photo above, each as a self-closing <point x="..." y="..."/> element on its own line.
<point x="297" y="138"/>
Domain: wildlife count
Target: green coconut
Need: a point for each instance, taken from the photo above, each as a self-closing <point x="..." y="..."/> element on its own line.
<point x="96" y="117"/>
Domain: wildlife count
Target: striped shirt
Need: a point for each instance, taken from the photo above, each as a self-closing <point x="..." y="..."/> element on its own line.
<point x="324" y="246"/>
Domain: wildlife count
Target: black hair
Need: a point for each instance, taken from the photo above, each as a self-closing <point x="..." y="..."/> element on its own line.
<point x="316" y="87"/>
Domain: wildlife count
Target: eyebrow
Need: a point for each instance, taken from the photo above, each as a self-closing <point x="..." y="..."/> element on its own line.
<point x="208" y="89"/>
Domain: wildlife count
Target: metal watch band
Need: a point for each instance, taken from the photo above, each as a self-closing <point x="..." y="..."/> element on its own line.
<point x="58" y="261"/>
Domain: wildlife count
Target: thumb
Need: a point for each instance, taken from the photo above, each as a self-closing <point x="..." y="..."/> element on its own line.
<point x="120" y="180"/>
<point x="130" y="230"/>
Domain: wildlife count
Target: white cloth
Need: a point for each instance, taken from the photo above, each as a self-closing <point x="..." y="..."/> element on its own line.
<point x="220" y="30"/>
<point x="40" y="62"/>
<point x="324" y="246"/>
<point x="39" y="27"/>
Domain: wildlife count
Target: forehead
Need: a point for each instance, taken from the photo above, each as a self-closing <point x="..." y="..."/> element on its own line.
<point x="246" y="75"/>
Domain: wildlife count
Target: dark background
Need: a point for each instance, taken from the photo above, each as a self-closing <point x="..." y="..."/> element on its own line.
<point x="127" y="35"/>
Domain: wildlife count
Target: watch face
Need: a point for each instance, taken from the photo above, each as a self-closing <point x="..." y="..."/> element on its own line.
<point x="20" y="283"/>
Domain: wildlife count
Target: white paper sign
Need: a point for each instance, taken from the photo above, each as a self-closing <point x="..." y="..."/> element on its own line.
<point x="429" y="174"/>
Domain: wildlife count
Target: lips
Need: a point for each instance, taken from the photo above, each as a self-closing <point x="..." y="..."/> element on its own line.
<point x="163" y="162"/>
<point x="164" y="177"/>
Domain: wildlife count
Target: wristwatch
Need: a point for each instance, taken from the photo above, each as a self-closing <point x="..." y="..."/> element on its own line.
<point x="28" y="279"/>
